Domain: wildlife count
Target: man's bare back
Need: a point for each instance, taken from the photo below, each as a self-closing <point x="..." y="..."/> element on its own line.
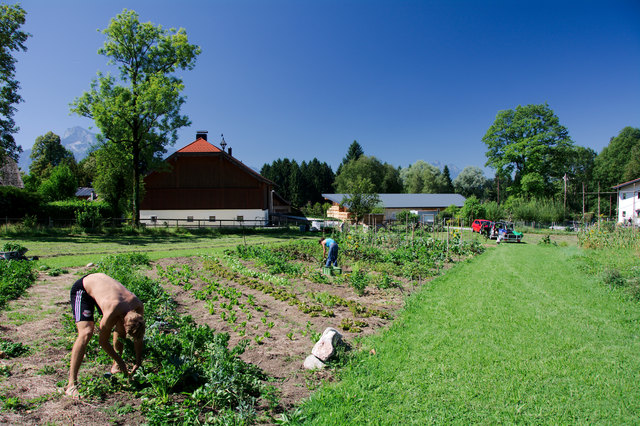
<point x="111" y="296"/>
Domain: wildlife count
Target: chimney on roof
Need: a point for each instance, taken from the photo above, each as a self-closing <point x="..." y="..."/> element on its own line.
<point x="201" y="134"/>
<point x="230" y="152"/>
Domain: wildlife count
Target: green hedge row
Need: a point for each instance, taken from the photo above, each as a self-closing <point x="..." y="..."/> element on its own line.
<point x="18" y="203"/>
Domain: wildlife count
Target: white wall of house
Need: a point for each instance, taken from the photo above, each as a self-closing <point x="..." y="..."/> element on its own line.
<point x="221" y="217"/>
<point x="629" y="204"/>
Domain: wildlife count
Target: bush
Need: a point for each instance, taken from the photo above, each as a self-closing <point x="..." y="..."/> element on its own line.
<point x="60" y="185"/>
<point x="88" y="218"/>
<point x="494" y="211"/>
<point x="64" y="210"/>
<point x="17" y="202"/>
<point x="535" y="210"/>
<point x="613" y="278"/>
<point x="405" y="216"/>
<point x="16" y="276"/>
<point x="472" y="209"/>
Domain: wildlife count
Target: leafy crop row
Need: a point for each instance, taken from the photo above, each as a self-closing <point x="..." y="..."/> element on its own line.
<point x="190" y="375"/>
<point x="16" y="276"/>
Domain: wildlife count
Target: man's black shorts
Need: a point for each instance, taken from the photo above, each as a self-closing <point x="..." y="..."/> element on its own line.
<point x="82" y="305"/>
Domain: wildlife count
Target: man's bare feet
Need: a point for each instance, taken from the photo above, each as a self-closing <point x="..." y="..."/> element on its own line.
<point x="72" y="391"/>
<point x="115" y="369"/>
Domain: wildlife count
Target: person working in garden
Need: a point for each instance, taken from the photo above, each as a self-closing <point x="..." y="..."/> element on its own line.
<point x="333" y="251"/>
<point x="121" y="312"/>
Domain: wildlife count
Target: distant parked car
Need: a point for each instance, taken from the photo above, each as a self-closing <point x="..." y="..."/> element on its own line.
<point x="481" y="226"/>
<point x="504" y="231"/>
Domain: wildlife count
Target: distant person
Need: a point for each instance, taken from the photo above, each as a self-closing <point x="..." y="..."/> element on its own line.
<point x="121" y="312"/>
<point x="329" y="243"/>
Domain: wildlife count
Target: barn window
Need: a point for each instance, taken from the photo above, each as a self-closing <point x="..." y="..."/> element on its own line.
<point x="154" y="219"/>
<point x="189" y="218"/>
<point x="624" y="214"/>
<point x="212" y="218"/>
<point x="240" y="218"/>
<point x="624" y="195"/>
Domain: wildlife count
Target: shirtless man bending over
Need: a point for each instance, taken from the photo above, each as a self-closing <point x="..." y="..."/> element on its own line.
<point x="121" y="311"/>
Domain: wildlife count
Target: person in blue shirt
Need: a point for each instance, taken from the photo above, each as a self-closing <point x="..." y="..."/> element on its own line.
<point x="333" y="251"/>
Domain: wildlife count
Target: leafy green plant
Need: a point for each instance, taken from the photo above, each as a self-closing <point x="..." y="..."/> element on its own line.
<point x="5" y="370"/>
<point x="14" y="247"/>
<point x="47" y="370"/>
<point x="15" y="278"/>
<point x="54" y="272"/>
<point x="613" y="278"/>
<point x="359" y="281"/>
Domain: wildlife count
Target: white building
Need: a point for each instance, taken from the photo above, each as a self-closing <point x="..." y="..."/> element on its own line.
<point x="629" y="202"/>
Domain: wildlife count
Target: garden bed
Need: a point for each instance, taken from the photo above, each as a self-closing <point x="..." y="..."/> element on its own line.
<point x="273" y="301"/>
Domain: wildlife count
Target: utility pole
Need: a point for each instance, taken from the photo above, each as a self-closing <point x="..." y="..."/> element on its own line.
<point x="598" y="204"/>
<point x="565" y="194"/>
<point x="583" y="201"/>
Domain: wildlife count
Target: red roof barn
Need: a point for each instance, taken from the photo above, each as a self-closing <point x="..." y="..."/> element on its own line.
<point x="205" y="183"/>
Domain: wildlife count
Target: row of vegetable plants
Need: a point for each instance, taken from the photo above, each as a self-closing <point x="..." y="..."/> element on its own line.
<point x="190" y="374"/>
<point x="16" y="276"/>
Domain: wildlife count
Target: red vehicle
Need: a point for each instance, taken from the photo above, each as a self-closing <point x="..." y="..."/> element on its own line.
<point x="481" y="226"/>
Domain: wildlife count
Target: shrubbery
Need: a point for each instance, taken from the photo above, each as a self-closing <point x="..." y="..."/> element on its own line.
<point x="16" y="276"/>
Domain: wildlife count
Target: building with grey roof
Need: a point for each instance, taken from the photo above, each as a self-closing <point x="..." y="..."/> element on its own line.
<point x="427" y="206"/>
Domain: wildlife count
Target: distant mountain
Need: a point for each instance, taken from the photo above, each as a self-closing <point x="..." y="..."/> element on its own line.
<point x="76" y="139"/>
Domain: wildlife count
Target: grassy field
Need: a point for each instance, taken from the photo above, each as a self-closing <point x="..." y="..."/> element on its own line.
<point x="519" y="335"/>
<point x="71" y="250"/>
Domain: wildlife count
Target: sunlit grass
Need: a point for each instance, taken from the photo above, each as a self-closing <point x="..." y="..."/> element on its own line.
<point x="518" y="335"/>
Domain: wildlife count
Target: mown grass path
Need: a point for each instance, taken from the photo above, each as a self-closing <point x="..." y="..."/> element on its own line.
<point x="517" y="335"/>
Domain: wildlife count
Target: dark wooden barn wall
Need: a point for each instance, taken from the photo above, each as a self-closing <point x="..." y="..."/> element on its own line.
<point x="204" y="182"/>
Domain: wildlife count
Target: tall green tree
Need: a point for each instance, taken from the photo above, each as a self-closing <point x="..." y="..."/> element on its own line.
<point x="354" y="152"/>
<point x="47" y="153"/>
<point x="112" y="179"/>
<point x="285" y="174"/>
<point x="61" y="184"/>
<point x="301" y="184"/>
<point x="448" y="184"/>
<point x="139" y="112"/>
<point x="530" y="144"/>
<point x="422" y="177"/>
<point x="470" y="181"/>
<point x="360" y="198"/>
<point x="384" y="177"/>
<point x="615" y="164"/>
<point x="12" y="40"/>
<point x="317" y="178"/>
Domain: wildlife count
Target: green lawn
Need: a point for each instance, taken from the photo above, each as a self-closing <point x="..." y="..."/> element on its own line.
<point x="517" y="335"/>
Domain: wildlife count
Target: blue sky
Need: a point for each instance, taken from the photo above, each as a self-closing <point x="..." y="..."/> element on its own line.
<point x="409" y="80"/>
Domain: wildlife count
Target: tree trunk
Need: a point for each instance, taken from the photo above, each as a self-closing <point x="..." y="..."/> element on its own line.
<point x="136" y="183"/>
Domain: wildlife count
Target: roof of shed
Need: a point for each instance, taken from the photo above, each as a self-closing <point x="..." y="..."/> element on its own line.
<point x="406" y="201"/>
<point x="626" y="183"/>
<point x="200" y="145"/>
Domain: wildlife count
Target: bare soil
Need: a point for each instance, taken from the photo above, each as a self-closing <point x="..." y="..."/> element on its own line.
<point x="36" y="379"/>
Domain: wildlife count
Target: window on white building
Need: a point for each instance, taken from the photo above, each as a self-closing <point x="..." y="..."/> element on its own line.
<point x="624" y="213"/>
<point x="189" y="218"/>
<point x="240" y="218"/>
<point x="154" y="219"/>
<point x="212" y="218"/>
